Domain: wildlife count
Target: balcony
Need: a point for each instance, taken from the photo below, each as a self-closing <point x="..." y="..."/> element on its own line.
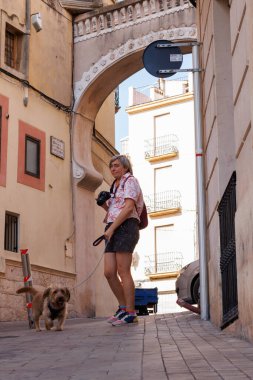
<point x="124" y="146"/>
<point x="116" y="99"/>
<point x="161" y="204"/>
<point x="165" y="264"/>
<point x="80" y="6"/>
<point x="161" y="148"/>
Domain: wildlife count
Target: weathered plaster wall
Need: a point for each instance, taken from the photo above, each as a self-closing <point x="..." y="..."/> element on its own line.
<point x="227" y="104"/>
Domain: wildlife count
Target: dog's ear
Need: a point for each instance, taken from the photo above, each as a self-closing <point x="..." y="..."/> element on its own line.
<point x="67" y="292"/>
<point x="46" y="293"/>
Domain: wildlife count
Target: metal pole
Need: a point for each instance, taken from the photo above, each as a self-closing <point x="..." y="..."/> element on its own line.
<point x="27" y="37"/>
<point x="27" y="282"/>
<point x="204" y="306"/>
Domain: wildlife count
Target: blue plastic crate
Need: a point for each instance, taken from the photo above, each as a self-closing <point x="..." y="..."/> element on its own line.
<point x="146" y="300"/>
<point x="145" y="296"/>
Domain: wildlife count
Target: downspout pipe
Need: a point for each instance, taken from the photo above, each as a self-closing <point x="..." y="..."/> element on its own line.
<point x="27" y="38"/>
<point x="201" y="199"/>
<point x="26" y="48"/>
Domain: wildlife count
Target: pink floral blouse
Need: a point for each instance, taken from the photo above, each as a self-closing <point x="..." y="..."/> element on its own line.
<point x="128" y="188"/>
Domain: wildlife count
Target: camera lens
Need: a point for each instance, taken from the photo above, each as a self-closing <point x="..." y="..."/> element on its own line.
<point x="103" y="196"/>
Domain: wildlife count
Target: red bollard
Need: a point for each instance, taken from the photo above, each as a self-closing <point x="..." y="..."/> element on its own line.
<point x="27" y="282"/>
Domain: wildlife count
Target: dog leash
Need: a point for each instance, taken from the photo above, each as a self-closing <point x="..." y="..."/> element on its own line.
<point x="98" y="240"/>
<point x="95" y="243"/>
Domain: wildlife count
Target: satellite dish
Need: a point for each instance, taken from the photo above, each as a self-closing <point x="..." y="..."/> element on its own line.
<point x="158" y="57"/>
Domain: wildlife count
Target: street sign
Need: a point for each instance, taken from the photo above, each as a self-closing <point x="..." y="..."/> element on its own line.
<point x="160" y="57"/>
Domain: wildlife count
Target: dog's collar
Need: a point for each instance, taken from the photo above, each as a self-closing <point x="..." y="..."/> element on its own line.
<point x="54" y="312"/>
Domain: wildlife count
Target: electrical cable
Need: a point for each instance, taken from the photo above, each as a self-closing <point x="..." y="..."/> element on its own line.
<point x="57" y="104"/>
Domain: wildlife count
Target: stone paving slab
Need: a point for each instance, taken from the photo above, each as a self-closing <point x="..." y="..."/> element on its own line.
<point x="178" y="346"/>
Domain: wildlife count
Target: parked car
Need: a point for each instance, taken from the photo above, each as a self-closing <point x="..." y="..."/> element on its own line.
<point x="187" y="283"/>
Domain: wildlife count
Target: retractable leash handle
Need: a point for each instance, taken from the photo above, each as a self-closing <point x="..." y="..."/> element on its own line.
<point x="98" y="240"/>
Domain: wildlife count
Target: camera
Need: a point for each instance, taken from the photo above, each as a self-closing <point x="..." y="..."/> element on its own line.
<point x="103" y="196"/>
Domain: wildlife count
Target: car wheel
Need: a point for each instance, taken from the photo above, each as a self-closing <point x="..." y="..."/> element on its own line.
<point x="195" y="291"/>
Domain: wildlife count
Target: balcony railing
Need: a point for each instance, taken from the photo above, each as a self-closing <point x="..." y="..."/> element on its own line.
<point x="167" y="200"/>
<point x="166" y="262"/>
<point x="163" y="89"/>
<point x="116" y="99"/>
<point x="160" y="146"/>
<point x="81" y="6"/>
<point x="124" y="146"/>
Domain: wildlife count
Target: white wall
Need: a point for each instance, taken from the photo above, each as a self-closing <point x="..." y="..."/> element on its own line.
<point x="180" y="119"/>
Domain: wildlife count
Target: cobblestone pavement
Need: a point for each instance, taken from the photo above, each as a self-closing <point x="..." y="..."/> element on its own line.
<point x="176" y="346"/>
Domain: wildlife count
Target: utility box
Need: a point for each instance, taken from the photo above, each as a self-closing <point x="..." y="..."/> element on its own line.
<point x="146" y="300"/>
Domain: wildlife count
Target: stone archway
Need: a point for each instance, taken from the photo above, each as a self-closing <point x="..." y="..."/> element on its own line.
<point x="108" y="48"/>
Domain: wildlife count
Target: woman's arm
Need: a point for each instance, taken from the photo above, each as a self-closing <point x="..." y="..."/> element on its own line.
<point x="105" y="207"/>
<point x="123" y="215"/>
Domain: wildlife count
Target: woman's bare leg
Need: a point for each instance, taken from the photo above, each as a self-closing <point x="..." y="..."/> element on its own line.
<point x="124" y="261"/>
<point x="110" y="272"/>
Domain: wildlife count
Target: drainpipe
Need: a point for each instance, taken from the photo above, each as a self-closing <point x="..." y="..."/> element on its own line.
<point x="27" y="37"/>
<point x="201" y="201"/>
<point x="27" y="47"/>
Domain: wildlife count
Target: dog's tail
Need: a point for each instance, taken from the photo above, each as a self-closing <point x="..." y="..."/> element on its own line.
<point x="27" y="289"/>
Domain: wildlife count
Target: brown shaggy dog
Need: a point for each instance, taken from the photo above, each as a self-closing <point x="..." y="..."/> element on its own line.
<point x="51" y="304"/>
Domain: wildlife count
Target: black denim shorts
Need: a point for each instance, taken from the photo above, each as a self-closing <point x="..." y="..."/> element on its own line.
<point x="125" y="237"/>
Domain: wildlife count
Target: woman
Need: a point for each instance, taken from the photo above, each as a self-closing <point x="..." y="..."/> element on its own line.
<point x="122" y="234"/>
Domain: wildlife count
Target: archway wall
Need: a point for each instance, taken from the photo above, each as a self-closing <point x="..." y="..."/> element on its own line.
<point x="108" y="48"/>
<point x="104" y="39"/>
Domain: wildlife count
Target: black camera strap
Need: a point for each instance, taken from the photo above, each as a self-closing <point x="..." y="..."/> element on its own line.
<point x="112" y="188"/>
<point x="114" y="191"/>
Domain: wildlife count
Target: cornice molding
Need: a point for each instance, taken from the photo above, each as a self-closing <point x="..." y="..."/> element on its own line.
<point x="160" y="103"/>
<point x="126" y="17"/>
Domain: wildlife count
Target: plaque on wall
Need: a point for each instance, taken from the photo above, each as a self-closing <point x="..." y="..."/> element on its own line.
<point x="57" y="147"/>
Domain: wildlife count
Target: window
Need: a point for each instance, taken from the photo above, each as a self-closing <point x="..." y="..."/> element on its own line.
<point x="162" y="125"/>
<point x="163" y="178"/>
<point x="168" y="254"/>
<point x="9" y="48"/>
<point x="227" y="210"/>
<point x="32" y="156"/>
<point x="11" y="232"/>
<point x="13" y="41"/>
<point x="165" y="238"/>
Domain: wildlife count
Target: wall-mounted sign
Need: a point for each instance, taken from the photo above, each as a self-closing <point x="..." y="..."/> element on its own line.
<point x="57" y="147"/>
<point x="161" y="59"/>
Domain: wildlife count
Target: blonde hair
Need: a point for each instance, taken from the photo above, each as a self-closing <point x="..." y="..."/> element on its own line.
<point x="124" y="160"/>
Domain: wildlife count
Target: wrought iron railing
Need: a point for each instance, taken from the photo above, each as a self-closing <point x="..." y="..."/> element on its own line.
<point x="226" y="210"/>
<point x="11" y="233"/>
<point x="163" y="263"/>
<point x="116" y="99"/>
<point x="161" y="146"/>
<point x="160" y="90"/>
<point x="124" y="146"/>
<point x="167" y="200"/>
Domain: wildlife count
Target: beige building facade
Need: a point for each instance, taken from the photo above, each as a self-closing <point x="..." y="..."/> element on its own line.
<point x="225" y="33"/>
<point x="35" y="191"/>
<point x="36" y="155"/>
<point x="55" y="145"/>
<point x="57" y="134"/>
